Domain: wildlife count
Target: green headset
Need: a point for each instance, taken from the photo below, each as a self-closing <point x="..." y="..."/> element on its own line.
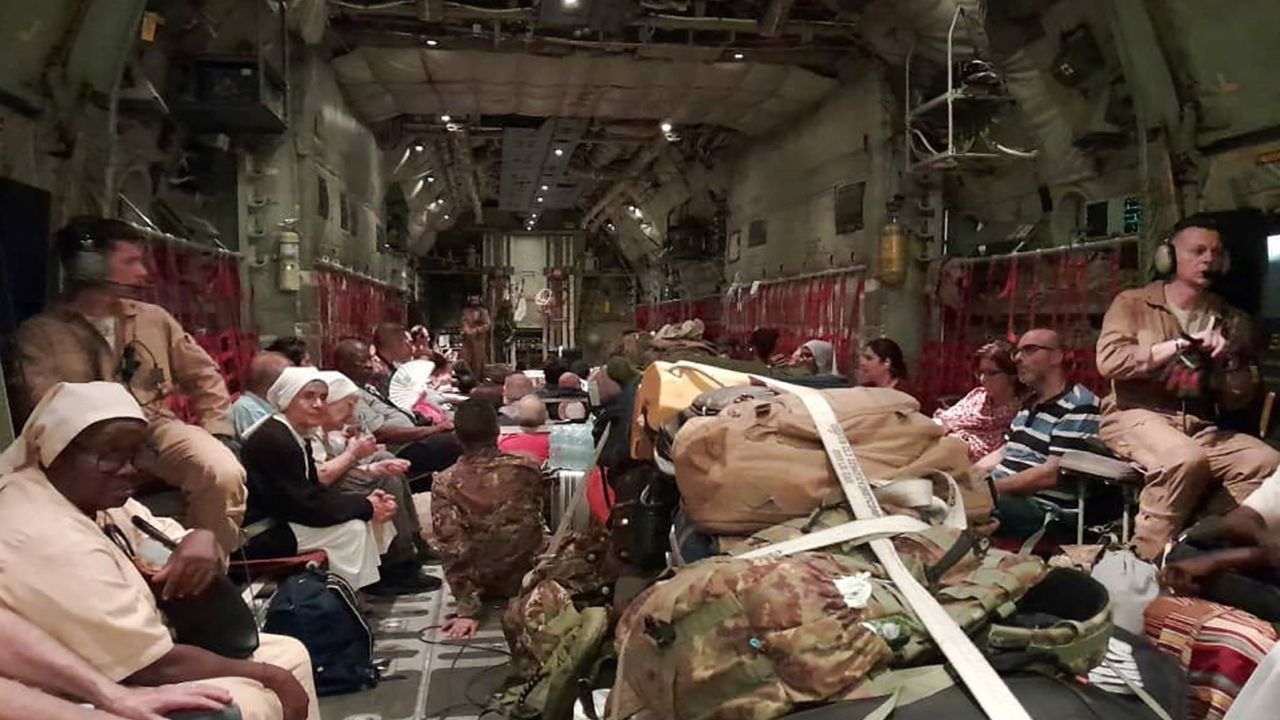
<point x="1165" y="259"/>
<point x="82" y="246"/>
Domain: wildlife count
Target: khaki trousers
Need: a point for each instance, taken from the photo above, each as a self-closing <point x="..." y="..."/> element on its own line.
<point x="1183" y="457"/>
<point x="255" y="701"/>
<point x="209" y="475"/>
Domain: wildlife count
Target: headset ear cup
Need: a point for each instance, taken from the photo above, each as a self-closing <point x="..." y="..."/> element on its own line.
<point x="1165" y="260"/>
<point x="88" y="266"/>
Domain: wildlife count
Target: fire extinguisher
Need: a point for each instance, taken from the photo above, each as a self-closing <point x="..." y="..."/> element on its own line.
<point x="290" y="272"/>
<point x="893" y="252"/>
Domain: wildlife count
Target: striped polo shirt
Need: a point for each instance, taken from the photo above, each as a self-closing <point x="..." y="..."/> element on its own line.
<point x="1066" y="422"/>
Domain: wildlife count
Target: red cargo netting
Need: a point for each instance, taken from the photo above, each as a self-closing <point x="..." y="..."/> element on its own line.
<point x="979" y="300"/>
<point x="352" y="306"/>
<point x="824" y="306"/>
<point x="201" y="288"/>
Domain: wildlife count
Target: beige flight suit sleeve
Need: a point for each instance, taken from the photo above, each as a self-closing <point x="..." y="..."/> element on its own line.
<point x="37" y="366"/>
<point x="86" y="596"/>
<point x="197" y="375"/>
<point x="1121" y="353"/>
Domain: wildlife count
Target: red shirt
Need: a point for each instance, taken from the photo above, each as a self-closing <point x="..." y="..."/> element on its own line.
<point x="535" y="445"/>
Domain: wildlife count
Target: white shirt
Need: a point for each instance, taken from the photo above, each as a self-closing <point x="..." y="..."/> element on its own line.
<point x="1266" y="501"/>
<point x="106" y="327"/>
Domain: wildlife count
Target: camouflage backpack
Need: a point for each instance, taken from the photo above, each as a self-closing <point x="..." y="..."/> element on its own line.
<point x="754" y="638"/>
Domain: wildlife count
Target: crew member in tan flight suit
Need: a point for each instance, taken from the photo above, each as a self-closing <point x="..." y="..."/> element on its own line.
<point x="1170" y="432"/>
<point x="98" y="331"/>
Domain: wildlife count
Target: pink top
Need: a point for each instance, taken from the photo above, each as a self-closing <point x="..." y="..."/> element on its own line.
<point x="976" y="421"/>
<point x="535" y="445"/>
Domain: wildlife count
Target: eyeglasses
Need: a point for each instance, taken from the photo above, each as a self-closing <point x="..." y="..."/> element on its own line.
<point x="1030" y="349"/>
<point x="110" y="463"/>
<point x="984" y="374"/>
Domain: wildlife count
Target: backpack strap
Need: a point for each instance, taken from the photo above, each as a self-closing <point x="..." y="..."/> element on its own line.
<point x="857" y="531"/>
<point x="995" y="698"/>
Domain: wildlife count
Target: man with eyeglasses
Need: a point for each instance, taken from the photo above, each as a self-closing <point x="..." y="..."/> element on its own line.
<point x="1157" y="415"/>
<point x="1059" y="417"/>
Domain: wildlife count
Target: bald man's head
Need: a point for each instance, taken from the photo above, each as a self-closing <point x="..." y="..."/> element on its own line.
<point x="353" y="360"/>
<point x="264" y="369"/>
<point x="531" y="411"/>
<point x="1039" y="358"/>
<point x="570" y="381"/>
<point x="516" y="386"/>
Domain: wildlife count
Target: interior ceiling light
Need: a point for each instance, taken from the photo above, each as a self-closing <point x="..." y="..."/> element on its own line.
<point x="571" y="4"/>
<point x="545" y="188"/>
<point x="540" y="198"/>
<point x="446" y="216"/>
<point x="666" y="126"/>
<point x="739" y="56"/>
<point x="419" y="147"/>
<point x="446" y="118"/>
<point x="559" y="152"/>
<point x="431" y="178"/>
<point x="432" y="43"/>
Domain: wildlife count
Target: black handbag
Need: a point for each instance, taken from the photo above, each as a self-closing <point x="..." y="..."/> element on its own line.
<point x="217" y="620"/>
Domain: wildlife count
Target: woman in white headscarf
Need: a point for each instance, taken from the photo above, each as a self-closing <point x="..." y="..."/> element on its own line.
<point x="73" y="564"/>
<point x="284" y="488"/>
<point x="358" y="465"/>
<point x="819" y="356"/>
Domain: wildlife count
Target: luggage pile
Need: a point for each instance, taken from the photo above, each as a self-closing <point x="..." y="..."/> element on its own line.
<point x="850" y="560"/>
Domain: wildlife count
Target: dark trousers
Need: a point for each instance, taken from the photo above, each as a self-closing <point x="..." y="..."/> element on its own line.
<point x="429" y="455"/>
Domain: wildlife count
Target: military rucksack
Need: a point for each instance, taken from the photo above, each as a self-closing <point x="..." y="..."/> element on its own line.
<point x="759" y="637"/>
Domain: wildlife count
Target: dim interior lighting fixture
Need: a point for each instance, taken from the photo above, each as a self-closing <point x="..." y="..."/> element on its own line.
<point x="1273" y="248"/>
<point x="540" y="198"/>
<point x="559" y="152"/>
<point x="545" y="188"/>
<point x="446" y="216"/>
<point x="431" y="178"/>
<point x="432" y="43"/>
<point x="666" y="126"/>
<point x="635" y="211"/>
<point x="446" y="118"/>
<point x="419" y="147"/>
<point x="739" y="56"/>
<point x="571" y="4"/>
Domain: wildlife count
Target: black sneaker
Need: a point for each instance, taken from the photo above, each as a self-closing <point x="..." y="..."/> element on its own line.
<point x="388" y="587"/>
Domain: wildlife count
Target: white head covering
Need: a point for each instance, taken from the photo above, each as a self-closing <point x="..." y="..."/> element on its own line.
<point x="64" y="412"/>
<point x="824" y="356"/>
<point x="290" y="383"/>
<point x="341" y="387"/>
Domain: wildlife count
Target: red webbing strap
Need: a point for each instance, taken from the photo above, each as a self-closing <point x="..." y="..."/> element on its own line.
<point x="1012" y="290"/>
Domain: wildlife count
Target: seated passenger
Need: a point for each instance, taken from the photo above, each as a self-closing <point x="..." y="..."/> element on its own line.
<point x="514" y="387"/>
<point x="1150" y="417"/>
<point x="1060" y="417"/>
<point x="37" y="672"/>
<point x="763" y="342"/>
<point x="356" y="464"/>
<point x="286" y="489"/>
<point x="294" y="348"/>
<point x="982" y="418"/>
<point x="533" y="441"/>
<point x="67" y="561"/>
<point x="252" y="407"/>
<point x="486" y="512"/>
<point x="392" y="347"/>
<point x="428" y="448"/>
<point x="882" y="365"/>
<point x="815" y="357"/>
<point x="100" y="331"/>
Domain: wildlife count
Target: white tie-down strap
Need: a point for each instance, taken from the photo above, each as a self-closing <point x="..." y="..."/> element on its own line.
<point x="917" y="494"/>
<point x="857" y="532"/>
<point x="990" y="691"/>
